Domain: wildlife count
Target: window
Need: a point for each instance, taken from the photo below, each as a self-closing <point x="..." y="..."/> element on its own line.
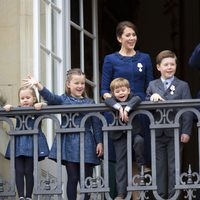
<point x="66" y="37"/>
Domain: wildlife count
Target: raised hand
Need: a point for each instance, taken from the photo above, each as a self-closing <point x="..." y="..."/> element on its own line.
<point x="30" y="81"/>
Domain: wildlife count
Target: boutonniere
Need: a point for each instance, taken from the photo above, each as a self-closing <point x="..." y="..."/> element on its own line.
<point x="140" y="66"/>
<point x="172" y="89"/>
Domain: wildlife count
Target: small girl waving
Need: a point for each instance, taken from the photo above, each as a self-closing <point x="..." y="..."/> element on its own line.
<point x="24" y="144"/>
<point x="70" y="143"/>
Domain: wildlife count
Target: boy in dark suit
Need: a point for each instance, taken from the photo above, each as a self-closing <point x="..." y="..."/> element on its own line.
<point x="120" y="90"/>
<point x="168" y="87"/>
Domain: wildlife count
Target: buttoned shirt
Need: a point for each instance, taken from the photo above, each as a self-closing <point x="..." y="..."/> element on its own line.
<point x="167" y="82"/>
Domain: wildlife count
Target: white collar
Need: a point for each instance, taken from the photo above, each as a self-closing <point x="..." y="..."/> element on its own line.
<point x="169" y="80"/>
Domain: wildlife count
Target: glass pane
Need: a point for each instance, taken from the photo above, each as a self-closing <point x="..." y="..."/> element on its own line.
<point x="43" y="23"/>
<point x="88" y="15"/>
<point x="75" y="48"/>
<point x="75" y="7"/>
<point x="43" y="66"/>
<point x="88" y="63"/>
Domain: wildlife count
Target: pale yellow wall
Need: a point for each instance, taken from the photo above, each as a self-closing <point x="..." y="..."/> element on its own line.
<point x="9" y="48"/>
<point x="16" y="54"/>
<point x="15" y="57"/>
<point x="9" y="64"/>
<point x="26" y="37"/>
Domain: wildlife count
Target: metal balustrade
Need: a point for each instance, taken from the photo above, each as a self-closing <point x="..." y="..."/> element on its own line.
<point x="49" y="187"/>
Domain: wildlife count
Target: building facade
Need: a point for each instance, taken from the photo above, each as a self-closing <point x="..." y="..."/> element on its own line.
<point x="45" y="38"/>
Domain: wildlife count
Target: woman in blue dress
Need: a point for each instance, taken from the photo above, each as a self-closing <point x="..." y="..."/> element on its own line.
<point x="70" y="142"/>
<point x="133" y="65"/>
<point x="24" y="144"/>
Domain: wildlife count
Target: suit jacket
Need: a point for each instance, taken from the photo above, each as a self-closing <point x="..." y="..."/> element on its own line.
<point x="132" y="102"/>
<point x="177" y="90"/>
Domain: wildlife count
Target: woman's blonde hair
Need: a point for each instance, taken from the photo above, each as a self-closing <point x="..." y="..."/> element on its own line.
<point x="70" y="73"/>
<point x="119" y="82"/>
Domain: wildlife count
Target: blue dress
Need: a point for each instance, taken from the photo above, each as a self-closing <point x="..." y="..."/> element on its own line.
<point x="138" y="71"/>
<point x="24" y="143"/>
<point x="70" y="142"/>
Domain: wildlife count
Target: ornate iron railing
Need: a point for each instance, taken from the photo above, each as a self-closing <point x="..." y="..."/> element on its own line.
<point x="51" y="187"/>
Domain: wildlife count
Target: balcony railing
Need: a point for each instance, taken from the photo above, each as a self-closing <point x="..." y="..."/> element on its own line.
<point x="51" y="187"/>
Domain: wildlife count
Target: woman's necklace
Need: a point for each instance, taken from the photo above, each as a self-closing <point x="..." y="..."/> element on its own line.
<point x="127" y="53"/>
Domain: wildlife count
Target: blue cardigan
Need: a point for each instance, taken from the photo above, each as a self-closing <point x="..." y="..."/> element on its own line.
<point x="70" y="142"/>
<point x="136" y="69"/>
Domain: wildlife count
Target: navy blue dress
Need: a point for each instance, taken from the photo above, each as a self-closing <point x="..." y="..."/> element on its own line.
<point x="138" y="71"/>
<point x="24" y="143"/>
<point x="70" y="142"/>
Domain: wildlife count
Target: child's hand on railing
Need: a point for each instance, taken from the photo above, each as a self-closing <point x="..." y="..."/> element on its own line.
<point x="125" y="116"/>
<point x="121" y="113"/>
<point x="38" y="106"/>
<point x="156" y="97"/>
<point x="7" y="107"/>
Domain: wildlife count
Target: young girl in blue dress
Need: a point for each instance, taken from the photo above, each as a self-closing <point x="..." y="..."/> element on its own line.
<point x="70" y="143"/>
<point x="24" y="144"/>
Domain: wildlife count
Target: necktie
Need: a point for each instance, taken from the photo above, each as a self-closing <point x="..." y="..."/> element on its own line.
<point x="166" y="84"/>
